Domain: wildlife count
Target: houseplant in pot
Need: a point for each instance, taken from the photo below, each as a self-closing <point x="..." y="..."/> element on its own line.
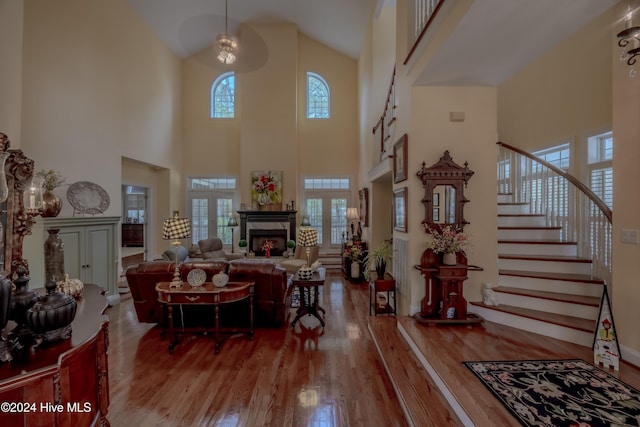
<point x="378" y="258"/>
<point x="291" y="244"/>
<point x="243" y="244"/>
<point x="51" y="203"/>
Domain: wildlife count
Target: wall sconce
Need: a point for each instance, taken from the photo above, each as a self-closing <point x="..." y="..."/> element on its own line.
<point x="627" y="37"/>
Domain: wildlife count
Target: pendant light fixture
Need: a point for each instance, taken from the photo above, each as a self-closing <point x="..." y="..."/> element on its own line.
<point x="227" y="43"/>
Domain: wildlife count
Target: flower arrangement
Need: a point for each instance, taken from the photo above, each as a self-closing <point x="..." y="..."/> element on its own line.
<point x="52" y="179"/>
<point x="354" y="251"/>
<point x="267" y="245"/>
<point x="266" y="186"/>
<point x="446" y="240"/>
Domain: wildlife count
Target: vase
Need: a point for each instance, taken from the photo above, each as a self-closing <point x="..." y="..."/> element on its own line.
<point x="54" y="256"/>
<point x="51" y="204"/>
<point x="381" y="267"/>
<point x="449" y="258"/>
<point x="52" y="315"/>
<point x="267" y="253"/>
<point x="355" y="270"/>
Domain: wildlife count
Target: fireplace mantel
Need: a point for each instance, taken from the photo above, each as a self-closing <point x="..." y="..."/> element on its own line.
<point x="267" y="216"/>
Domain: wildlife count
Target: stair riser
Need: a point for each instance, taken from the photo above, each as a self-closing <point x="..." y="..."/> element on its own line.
<point x="505" y="198"/>
<point x="537" y="249"/>
<point x="560" y="286"/>
<point x="522" y="221"/>
<point x="534" y="326"/>
<point x="549" y="306"/>
<point x="513" y="209"/>
<point x="525" y="234"/>
<point x="544" y="266"/>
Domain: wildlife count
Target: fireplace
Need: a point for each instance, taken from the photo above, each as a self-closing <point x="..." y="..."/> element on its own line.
<point x="257" y="238"/>
<point x="258" y="226"/>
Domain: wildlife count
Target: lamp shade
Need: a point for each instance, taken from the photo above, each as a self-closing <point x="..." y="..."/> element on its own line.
<point x="307" y="237"/>
<point x="176" y="228"/>
<point x="352" y="213"/>
<point x="232" y="222"/>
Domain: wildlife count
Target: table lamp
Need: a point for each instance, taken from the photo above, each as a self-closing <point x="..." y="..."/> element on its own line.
<point x="353" y="215"/>
<point x="174" y="229"/>
<point x="307" y="237"/>
<point x="233" y="223"/>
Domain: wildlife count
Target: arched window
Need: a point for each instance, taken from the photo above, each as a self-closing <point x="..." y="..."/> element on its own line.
<point x="223" y="96"/>
<point x="318" y="97"/>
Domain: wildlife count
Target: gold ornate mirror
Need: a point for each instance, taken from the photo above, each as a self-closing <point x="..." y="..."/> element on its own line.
<point x="16" y="222"/>
<point x="444" y="200"/>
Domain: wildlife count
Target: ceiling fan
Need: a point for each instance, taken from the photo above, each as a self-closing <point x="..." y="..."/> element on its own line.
<point x="227" y="44"/>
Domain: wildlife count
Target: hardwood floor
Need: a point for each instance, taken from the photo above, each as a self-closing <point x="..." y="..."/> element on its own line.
<point x="284" y="377"/>
<point x="306" y="377"/>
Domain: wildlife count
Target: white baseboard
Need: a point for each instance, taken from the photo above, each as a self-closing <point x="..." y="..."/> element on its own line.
<point x="631" y="356"/>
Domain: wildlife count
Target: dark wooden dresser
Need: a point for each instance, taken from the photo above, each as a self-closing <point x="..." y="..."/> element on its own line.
<point x="133" y="235"/>
<point x="64" y="383"/>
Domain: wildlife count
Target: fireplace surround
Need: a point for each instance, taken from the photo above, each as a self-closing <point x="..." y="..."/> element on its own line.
<point x="258" y="226"/>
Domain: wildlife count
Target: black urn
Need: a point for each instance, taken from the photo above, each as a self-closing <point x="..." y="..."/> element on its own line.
<point x="5" y="308"/>
<point x="22" y="299"/>
<point x="50" y="318"/>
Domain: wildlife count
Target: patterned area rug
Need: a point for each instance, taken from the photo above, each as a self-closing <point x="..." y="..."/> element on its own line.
<point x="560" y="393"/>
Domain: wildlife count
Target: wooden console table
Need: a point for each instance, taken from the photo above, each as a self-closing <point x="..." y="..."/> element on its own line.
<point x="63" y="383"/>
<point x="207" y="294"/>
<point x="385" y="284"/>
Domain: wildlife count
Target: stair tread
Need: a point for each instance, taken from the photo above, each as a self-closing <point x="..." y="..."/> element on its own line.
<point x="553" y="296"/>
<point x="529" y="227"/>
<point x="567" y="277"/>
<point x="577" y="323"/>
<point x="559" y="258"/>
<point x="512" y="203"/>
<point x="537" y="242"/>
<point x="522" y="214"/>
<point x="414" y="387"/>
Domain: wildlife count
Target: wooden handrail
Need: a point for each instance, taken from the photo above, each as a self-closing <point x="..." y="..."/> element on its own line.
<point x="424" y="30"/>
<point x="606" y="211"/>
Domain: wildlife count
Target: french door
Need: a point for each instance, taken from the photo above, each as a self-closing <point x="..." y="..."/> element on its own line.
<point x="210" y="212"/>
<point x="327" y="212"/>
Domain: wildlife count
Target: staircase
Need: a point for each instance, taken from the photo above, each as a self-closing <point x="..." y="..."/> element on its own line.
<point x="543" y="286"/>
<point x="553" y="255"/>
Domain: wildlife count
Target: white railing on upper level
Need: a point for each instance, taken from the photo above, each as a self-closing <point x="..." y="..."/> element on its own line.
<point x="564" y="200"/>
<point x="421" y="14"/>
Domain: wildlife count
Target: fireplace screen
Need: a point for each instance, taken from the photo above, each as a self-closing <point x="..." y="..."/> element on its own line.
<point x="258" y="237"/>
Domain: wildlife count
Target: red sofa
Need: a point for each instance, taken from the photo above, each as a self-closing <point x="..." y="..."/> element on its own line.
<point x="272" y="286"/>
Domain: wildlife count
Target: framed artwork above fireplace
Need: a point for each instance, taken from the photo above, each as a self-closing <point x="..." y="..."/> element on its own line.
<point x="266" y="190"/>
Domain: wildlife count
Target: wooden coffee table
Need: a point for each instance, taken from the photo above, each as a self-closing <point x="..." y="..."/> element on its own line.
<point x="309" y="296"/>
<point x="207" y="294"/>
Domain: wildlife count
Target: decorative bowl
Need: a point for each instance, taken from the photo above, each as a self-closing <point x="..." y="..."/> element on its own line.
<point x="220" y="280"/>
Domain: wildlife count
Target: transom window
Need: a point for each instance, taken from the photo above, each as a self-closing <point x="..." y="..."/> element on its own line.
<point x="223" y="96"/>
<point x="318" y="97"/>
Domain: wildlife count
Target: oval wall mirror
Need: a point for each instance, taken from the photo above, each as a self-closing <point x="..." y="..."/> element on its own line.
<point x="444" y="199"/>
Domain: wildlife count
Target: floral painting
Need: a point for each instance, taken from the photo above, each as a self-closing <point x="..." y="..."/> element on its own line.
<point x="266" y="190"/>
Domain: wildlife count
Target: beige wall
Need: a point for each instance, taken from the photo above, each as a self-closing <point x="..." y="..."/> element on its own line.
<point x="270" y="130"/>
<point x="626" y="197"/>
<point x="92" y="95"/>
<point x="563" y="96"/>
<point x="11" y="12"/>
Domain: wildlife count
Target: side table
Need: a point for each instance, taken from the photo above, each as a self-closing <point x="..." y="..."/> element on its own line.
<point x="309" y="296"/>
<point x="207" y="294"/>
<point x="385" y="284"/>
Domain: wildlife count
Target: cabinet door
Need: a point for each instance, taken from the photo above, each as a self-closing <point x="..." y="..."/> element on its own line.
<point x="73" y="238"/>
<point x="98" y="255"/>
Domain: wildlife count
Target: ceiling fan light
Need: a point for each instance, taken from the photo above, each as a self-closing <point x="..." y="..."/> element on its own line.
<point x="228" y="47"/>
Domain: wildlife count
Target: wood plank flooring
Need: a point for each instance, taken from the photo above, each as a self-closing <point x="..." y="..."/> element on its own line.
<point x="284" y="377"/>
<point x="311" y="377"/>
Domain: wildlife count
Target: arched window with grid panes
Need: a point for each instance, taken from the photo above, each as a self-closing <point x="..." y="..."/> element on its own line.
<point x="318" y="97"/>
<point x="223" y="96"/>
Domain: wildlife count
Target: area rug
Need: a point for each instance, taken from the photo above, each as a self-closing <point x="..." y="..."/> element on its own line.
<point x="560" y="393"/>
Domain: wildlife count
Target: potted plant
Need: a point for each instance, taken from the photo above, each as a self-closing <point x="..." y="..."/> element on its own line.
<point x="290" y="245"/>
<point x="52" y="204"/>
<point x="242" y="243"/>
<point x="378" y="258"/>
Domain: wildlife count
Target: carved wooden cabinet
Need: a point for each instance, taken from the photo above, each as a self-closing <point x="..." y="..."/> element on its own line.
<point x="65" y="383"/>
<point x="444" y="300"/>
